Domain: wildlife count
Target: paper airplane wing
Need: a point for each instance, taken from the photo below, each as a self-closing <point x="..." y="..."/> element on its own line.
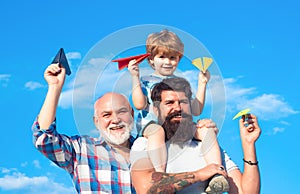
<point x="62" y="60"/>
<point x="241" y="113"/>
<point x="123" y="62"/>
<point x="198" y="63"/>
<point x="206" y="63"/>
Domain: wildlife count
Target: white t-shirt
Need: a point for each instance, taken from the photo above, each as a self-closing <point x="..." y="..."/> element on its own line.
<point x="185" y="158"/>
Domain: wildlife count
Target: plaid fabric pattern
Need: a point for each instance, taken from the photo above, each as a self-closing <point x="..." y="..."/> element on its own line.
<point x="94" y="166"/>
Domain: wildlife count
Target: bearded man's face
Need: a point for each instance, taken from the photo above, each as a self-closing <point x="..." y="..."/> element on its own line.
<point x="174" y="115"/>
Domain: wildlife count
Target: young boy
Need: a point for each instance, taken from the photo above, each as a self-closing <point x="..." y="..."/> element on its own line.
<point x="166" y="50"/>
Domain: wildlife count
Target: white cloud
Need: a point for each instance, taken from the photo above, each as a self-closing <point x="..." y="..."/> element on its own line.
<point x="36" y="163"/>
<point x="265" y="106"/>
<point x="12" y="180"/>
<point x="92" y="80"/>
<point x="269" y="106"/>
<point x="31" y="85"/>
<point x="73" y="55"/>
<point x="24" y="164"/>
<point x="4" y="170"/>
<point x="4" y="79"/>
<point x="277" y="130"/>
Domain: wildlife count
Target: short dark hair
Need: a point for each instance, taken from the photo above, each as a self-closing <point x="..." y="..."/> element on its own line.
<point x="177" y="84"/>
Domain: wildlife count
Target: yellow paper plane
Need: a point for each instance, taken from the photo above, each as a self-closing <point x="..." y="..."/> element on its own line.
<point x="202" y="63"/>
<point x="241" y="113"/>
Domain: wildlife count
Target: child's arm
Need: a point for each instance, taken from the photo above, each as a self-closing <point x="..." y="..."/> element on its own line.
<point x="198" y="102"/>
<point x="138" y="98"/>
<point x="156" y="146"/>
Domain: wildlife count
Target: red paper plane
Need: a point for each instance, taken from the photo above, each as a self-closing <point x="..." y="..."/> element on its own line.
<point x="123" y="62"/>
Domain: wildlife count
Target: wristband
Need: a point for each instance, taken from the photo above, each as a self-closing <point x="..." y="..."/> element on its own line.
<point x="250" y="163"/>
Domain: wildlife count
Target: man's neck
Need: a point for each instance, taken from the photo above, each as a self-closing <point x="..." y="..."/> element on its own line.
<point x="123" y="149"/>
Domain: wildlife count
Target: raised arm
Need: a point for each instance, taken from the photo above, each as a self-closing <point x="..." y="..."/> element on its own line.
<point x="249" y="180"/>
<point x="198" y="102"/>
<point x="55" y="77"/>
<point x="138" y="98"/>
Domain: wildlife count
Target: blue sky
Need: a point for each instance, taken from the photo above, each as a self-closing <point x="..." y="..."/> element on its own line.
<point x="254" y="44"/>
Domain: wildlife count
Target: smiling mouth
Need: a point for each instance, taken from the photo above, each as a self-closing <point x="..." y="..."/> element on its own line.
<point x="177" y="116"/>
<point x="117" y="127"/>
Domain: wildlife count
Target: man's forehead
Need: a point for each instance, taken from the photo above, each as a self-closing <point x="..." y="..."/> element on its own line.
<point x="109" y="107"/>
<point x="170" y="94"/>
<point x="112" y="102"/>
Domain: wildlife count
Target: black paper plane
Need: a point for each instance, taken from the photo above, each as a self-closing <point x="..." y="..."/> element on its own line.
<point x="62" y="60"/>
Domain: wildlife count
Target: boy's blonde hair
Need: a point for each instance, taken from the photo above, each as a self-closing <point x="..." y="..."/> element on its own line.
<point x="164" y="40"/>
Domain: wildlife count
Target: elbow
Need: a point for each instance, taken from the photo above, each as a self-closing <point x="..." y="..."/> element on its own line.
<point x="196" y="112"/>
<point x="140" y="105"/>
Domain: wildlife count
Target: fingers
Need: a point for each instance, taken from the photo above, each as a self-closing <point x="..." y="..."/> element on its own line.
<point x="133" y="66"/>
<point x="219" y="169"/>
<point x="249" y="122"/>
<point x="132" y="62"/>
<point x="54" y="69"/>
<point x="206" y="123"/>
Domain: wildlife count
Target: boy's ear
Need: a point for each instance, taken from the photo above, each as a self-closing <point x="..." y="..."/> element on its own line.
<point x="151" y="62"/>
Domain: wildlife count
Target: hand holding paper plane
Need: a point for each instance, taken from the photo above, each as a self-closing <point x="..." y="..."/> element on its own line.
<point x="202" y="63"/>
<point x="241" y="113"/>
<point x="62" y="60"/>
<point x="123" y="62"/>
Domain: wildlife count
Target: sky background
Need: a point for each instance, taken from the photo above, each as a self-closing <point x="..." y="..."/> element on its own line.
<point x="254" y="44"/>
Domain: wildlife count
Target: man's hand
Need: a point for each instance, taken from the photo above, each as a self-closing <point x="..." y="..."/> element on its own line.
<point x="210" y="170"/>
<point x="55" y="75"/>
<point x="249" y="129"/>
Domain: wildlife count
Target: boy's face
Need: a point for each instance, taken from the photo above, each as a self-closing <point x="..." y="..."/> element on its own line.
<point x="165" y="63"/>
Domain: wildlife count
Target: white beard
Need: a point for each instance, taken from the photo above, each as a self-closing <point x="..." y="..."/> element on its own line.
<point x="117" y="139"/>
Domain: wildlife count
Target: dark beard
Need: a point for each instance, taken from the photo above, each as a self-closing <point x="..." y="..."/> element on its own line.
<point x="178" y="132"/>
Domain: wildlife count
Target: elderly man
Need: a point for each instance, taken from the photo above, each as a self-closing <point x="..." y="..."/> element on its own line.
<point x="96" y="165"/>
<point x="172" y="104"/>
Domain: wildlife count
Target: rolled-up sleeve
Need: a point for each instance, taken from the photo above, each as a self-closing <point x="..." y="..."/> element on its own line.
<point x="56" y="147"/>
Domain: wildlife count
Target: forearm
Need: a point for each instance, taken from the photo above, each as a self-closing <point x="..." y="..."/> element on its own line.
<point x="48" y="110"/>
<point x="56" y="147"/>
<point x="138" y="98"/>
<point x="198" y="102"/>
<point x="250" y="182"/>
<point x="171" y="183"/>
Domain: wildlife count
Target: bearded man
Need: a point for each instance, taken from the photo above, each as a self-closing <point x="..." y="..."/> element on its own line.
<point x="96" y="165"/>
<point x="187" y="171"/>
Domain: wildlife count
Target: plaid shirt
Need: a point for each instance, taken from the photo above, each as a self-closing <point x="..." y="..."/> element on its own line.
<point x="94" y="166"/>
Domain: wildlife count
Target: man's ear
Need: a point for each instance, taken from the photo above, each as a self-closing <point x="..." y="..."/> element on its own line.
<point x="95" y="119"/>
<point x="132" y="112"/>
<point x="155" y="111"/>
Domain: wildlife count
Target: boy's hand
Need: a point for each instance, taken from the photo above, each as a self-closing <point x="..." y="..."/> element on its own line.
<point x="55" y="75"/>
<point x="202" y="126"/>
<point x="133" y="68"/>
<point x="204" y="77"/>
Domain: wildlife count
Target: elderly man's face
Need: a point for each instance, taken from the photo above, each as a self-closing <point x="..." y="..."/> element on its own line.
<point x="114" y="118"/>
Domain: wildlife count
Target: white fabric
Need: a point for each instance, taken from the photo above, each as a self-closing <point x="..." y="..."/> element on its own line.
<point x="185" y="158"/>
